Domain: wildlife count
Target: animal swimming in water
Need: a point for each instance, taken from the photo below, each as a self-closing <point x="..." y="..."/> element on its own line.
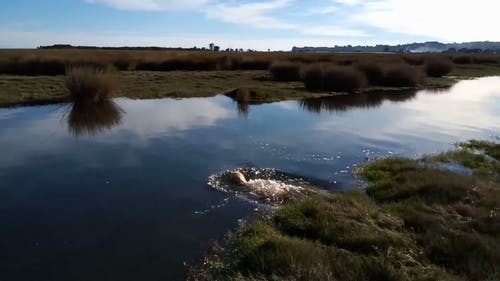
<point x="240" y="178"/>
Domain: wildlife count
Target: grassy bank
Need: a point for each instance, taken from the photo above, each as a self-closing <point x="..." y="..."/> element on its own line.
<point x="19" y="90"/>
<point x="36" y="76"/>
<point x="416" y="221"/>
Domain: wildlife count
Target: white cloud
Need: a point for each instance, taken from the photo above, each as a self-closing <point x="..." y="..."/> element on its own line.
<point x="441" y="19"/>
<point x="253" y="14"/>
<point x="333" y="31"/>
<point x="152" y="5"/>
<point x="349" y="2"/>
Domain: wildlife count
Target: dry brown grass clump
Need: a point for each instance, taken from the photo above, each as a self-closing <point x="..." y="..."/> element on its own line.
<point x="463" y="59"/>
<point x="414" y="59"/>
<point x="400" y="75"/>
<point x="90" y="85"/>
<point x="438" y="66"/>
<point x="32" y="66"/>
<point x="330" y="77"/>
<point x="373" y="71"/>
<point x="286" y="71"/>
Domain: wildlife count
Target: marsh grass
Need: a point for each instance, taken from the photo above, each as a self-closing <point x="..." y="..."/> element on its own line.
<point x="438" y="66"/>
<point x="373" y="71"/>
<point x="463" y="59"/>
<point x="32" y="66"/>
<point x="329" y="77"/>
<point x="90" y="85"/>
<point x="349" y="240"/>
<point x="286" y="71"/>
<point x="453" y="216"/>
<point x="401" y="75"/>
<point x="414" y="59"/>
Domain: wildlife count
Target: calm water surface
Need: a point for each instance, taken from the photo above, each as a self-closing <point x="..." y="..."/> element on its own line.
<point x="124" y="195"/>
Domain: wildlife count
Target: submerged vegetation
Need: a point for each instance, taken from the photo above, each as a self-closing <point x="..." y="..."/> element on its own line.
<point x="417" y="221"/>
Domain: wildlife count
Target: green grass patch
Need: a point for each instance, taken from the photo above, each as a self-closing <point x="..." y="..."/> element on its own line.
<point x="453" y="217"/>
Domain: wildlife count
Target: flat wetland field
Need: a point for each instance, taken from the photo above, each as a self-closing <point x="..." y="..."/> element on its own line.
<point x="169" y="74"/>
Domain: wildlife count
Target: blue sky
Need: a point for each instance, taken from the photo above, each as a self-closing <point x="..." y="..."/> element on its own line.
<point x="258" y="24"/>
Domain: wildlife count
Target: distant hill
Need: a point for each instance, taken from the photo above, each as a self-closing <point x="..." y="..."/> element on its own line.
<point x="427" y="47"/>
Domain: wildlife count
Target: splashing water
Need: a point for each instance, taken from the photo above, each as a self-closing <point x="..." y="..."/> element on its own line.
<point x="264" y="186"/>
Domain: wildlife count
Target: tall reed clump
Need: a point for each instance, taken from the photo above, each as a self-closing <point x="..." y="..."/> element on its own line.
<point x="374" y="72"/>
<point x="401" y="75"/>
<point x="90" y="85"/>
<point x="463" y="59"/>
<point x="438" y="67"/>
<point x="330" y="77"/>
<point x="33" y="66"/>
<point x="414" y="59"/>
<point x="485" y="59"/>
<point x="285" y="71"/>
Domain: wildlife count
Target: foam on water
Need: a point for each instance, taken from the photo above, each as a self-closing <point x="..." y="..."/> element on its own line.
<point x="264" y="186"/>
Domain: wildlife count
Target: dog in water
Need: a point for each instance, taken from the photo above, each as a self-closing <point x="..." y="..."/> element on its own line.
<point x="240" y="178"/>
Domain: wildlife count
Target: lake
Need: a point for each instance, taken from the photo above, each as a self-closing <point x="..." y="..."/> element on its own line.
<point x="121" y="192"/>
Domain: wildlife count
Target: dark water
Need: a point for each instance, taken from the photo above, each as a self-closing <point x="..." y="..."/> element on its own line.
<point x="122" y="193"/>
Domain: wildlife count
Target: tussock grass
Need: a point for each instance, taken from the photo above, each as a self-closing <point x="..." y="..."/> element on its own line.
<point x="329" y="77"/>
<point x="286" y="71"/>
<point x="463" y="59"/>
<point x="414" y="59"/>
<point x="254" y="63"/>
<point x="438" y="66"/>
<point x="32" y="66"/>
<point x="485" y="59"/>
<point x="90" y="85"/>
<point x="400" y="75"/>
<point x="373" y="71"/>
